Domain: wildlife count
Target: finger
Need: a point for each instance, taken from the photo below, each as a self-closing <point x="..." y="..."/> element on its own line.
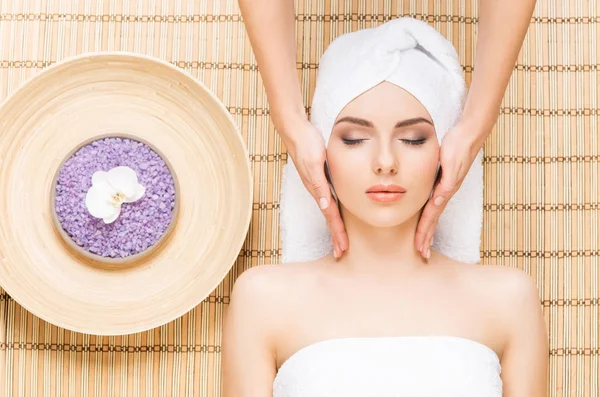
<point x="448" y="182"/>
<point x="426" y="244"/>
<point x="429" y="214"/>
<point x="429" y="239"/>
<point x="444" y="190"/>
<point x="337" y="229"/>
<point x="434" y="207"/>
<point x="322" y="194"/>
<point x="336" y="226"/>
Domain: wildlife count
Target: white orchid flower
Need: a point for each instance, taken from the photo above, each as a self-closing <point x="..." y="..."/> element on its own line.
<point x="111" y="189"/>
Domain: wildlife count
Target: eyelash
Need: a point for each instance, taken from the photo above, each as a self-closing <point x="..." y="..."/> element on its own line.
<point x="351" y="142"/>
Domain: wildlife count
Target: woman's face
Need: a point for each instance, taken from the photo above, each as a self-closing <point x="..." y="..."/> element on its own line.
<point x="383" y="137"/>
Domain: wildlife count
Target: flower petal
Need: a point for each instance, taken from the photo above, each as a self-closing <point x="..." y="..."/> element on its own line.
<point x="99" y="176"/>
<point x="123" y="179"/>
<point x="112" y="217"/>
<point x="138" y="194"/>
<point x="98" y="203"/>
<point x="105" y="188"/>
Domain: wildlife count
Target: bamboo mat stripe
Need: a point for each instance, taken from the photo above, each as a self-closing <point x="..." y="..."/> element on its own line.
<point x="541" y="169"/>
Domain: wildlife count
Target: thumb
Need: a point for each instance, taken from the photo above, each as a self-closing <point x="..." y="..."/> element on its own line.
<point x="447" y="185"/>
<point x="322" y="193"/>
<point x="317" y="184"/>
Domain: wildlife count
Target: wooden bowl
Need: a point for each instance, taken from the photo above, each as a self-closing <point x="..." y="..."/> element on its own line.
<point x="89" y="97"/>
<point x="108" y="262"/>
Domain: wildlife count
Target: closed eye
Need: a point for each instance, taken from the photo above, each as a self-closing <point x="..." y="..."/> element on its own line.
<point x="414" y="141"/>
<point x="352" y="141"/>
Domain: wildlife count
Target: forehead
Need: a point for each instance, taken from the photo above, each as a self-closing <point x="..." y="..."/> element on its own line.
<point x="385" y="100"/>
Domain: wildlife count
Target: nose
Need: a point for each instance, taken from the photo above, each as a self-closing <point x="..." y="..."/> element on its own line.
<point x="385" y="161"/>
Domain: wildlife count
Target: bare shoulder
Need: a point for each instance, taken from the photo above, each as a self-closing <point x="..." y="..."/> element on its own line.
<point x="257" y="283"/>
<point x="508" y="295"/>
<point x="270" y="281"/>
<point x="505" y="286"/>
<point x="516" y="300"/>
<point x="261" y="304"/>
<point x="508" y="284"/>
<point x="510" y="292"/>
<point x="267" y="292"/>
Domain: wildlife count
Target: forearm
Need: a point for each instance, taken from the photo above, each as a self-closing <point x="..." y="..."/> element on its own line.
<point x="270" y="26"/>
<point x="502" y="28"/>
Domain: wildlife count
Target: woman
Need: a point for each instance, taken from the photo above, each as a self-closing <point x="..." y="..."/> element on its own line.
<point x="382" y="320"/>
<point x="501" y="27"/>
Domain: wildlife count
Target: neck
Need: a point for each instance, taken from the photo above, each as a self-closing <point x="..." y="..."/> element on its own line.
<point x="381" y="249"/>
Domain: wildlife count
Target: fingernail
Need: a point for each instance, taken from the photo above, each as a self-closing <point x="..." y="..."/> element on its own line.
<point x="428" y="253"/>
<point x="421" y="249"/>
<point x="439" y="200"/>
<point x="323" y="203"/>
<point x="336" y="252"/>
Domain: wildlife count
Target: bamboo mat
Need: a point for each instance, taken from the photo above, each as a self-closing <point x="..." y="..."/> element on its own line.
<point x="541" y="174"/>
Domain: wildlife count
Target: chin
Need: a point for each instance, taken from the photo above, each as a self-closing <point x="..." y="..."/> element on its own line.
<point x="382" y="217"/>
<point x="386" y="221"/>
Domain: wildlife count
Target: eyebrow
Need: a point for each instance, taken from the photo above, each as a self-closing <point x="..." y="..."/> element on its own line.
<point x="367" y="123"/>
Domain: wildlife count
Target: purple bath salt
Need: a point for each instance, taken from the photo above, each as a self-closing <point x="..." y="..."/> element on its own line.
<point x="141" y="223"/>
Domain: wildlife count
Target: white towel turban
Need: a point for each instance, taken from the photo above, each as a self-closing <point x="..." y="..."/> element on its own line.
<point x="414" y="56"/>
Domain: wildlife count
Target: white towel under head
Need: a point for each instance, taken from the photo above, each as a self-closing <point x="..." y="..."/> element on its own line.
<point x="414" y="56"/>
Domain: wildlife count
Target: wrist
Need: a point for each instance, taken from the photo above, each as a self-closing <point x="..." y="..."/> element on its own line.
<point x="473" y="131"/>
<point x="291" y="126"/>
<point x="477" y="124"/>
<point x="480" y="112"/>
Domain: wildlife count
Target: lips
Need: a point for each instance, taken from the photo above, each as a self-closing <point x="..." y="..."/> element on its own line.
<point x="385" y="193"/>
<point x="386" y="189"/>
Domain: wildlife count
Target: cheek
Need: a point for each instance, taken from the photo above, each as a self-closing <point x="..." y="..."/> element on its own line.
<point x="432" y="163"/>
<point x="418" y="167"/>
<point x="344" y="168"/>
<point x="422" y="171"/>
<point x="430" y="168"/>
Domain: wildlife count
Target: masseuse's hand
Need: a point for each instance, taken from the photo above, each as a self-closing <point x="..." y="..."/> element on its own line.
<point x="309" y="156"/>
<point x="457" y="153"/>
